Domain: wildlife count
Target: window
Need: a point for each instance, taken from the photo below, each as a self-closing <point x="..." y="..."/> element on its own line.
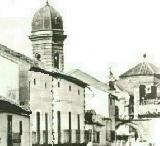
<point x="20" y="127"/>
<point x="78" y="129"/>
<point x="29" y="89"/>
<point x="9" y="130"/>
<point x="110" y="99"/>
<point x="113" y="136"/>
<point x="46" y="129"/>
<point x="116" y="112"/>
<point x="59" y="126"/>
<point x="45" y="85"/>
<point x="153" y="92"/>
<point x="78" y="121"/>
<point x="70" y="128"/>
<point x="131" y="107"/>
<point x="34" y="81"/>
<point x="70" y="88"/>
<point x="38" y="127"/>
<point x="96" y="137"/>
<point x="56" y="60"/>
<point x="56" y="20"/>
<point x="88" y="135"/>
<point x="58" y="84"/>
<point x="78" y="92"/>
<point x="142" y="93"/>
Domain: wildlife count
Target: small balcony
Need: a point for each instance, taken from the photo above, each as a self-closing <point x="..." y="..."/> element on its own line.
<point x="149" y="108"/>
<point x="150" y="101"/>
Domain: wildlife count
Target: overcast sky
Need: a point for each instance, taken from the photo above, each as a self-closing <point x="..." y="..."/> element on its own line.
<point x="101" y="33"/>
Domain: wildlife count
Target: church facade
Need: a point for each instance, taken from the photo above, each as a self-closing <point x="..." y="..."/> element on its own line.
<point x="57" y="100"/>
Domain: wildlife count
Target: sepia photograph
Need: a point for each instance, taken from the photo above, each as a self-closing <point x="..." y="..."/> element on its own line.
<point x="79" y="73"/>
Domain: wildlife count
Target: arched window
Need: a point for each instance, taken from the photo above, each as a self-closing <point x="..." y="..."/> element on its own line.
<point x="142" y="93"/>
<point x="116" y="112"/>
<point x="38" y="127"/>
<point x="56" y="60"/>
<point x="46" y="129"/>
<point x="56" y="20"/>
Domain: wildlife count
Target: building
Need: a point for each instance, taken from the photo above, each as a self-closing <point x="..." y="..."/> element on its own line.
<point x="142" y="85"/>
<point x="14" y="124"/>
<point x="100" y="113"/>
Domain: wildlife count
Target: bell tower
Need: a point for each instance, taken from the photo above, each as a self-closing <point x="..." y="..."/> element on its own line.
<point x="47" y="38"/>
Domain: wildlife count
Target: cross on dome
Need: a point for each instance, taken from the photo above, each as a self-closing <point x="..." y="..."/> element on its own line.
<point x="47" y="3"/>
<point x="144" y="55"/>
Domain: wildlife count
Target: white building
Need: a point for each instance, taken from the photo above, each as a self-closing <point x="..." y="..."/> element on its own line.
<point x="14" y="124"/>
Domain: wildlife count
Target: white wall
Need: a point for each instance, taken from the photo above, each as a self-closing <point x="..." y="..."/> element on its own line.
<point x="63" y="100"/>
<point x="97" y="100"/>
<point x="41" y="101"/>
<point x="9" y="79"/>
<point x="25" y="139"/>
<point x="68" y="101"/>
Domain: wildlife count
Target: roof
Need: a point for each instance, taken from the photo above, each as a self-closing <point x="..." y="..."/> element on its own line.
<point x="7" y="105"/>
<point x="4" y="49"/>
<point x="90" y="80"/>
<point x="47" y="18"/>
<point x="142" y="69"/>
<point x="60" y="75"/>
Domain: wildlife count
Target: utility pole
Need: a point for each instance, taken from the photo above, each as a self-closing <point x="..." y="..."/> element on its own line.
<point x="52" y="91"/>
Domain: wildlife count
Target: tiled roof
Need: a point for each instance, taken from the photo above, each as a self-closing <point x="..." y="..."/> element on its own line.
<point x="16" y="54"/>
<point x="90" y="80"/>
<point x="142" y="69"/>
<point x="61" y="75"/>
<point x="10" y="106"/>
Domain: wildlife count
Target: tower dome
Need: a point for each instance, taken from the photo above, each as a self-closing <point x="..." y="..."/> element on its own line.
<point x="47" y="18"/>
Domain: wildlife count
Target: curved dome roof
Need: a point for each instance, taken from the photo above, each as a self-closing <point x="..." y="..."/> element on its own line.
<point x="47" y="18"/>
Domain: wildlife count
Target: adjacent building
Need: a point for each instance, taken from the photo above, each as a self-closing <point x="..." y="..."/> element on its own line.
<point x="141" y="83"/>
<point x="14" y="124"/>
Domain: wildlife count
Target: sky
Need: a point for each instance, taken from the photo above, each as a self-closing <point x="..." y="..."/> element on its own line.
<point x="101" y="33"/>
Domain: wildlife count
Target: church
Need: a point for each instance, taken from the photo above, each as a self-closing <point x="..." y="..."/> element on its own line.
<point x="54" y="100"/>
<point x="138" y="110"/>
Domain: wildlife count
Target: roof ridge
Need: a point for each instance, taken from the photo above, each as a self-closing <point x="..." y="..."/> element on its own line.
<point x="150" y="67"/>
<point x="75" y="70"/>
<point x="141" y="66"/>
<point x="100" y="85"/>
